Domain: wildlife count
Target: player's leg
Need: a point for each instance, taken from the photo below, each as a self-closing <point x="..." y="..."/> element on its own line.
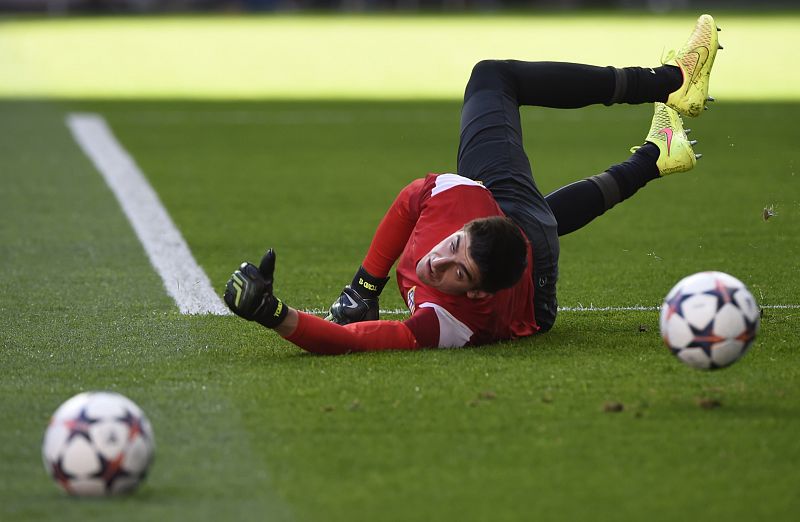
<point x="490" y="151"/>
<point x="577" y="204"/>
<point x="490" y="148"/>
<point x="682" y="82"/>
<point x="667" y="150"/>
<point x="564" y="85"/>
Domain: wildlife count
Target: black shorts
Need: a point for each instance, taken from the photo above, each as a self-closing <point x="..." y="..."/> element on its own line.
<point x="490" y="151"/>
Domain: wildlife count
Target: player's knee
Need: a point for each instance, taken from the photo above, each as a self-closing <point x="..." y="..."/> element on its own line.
<point x="488" y="75"/>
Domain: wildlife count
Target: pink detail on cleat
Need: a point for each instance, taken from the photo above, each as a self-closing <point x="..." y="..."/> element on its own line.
<point x="668" y="133"/>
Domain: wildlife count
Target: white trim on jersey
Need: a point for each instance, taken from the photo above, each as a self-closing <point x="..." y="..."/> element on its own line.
<point x="452" y="332"/>
<point x="448" y="181"/>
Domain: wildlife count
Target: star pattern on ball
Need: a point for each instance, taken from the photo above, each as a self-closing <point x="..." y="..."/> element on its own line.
<point x="111" y="470"/>
<point x="80" y="425"/>
<point x="705" y="338"/>
<point x="709" y="320"/>
<point x="723" y="293"/>
<point x="748" y="334"/>
<point x="98" y="444"/>
<point x="60" y="475"/>
<point x="674" y="304"/>
<point x="134" y="423"/>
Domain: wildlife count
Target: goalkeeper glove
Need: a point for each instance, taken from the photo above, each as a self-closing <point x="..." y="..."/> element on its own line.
<point x="249" y="293"/>
<point x="359" y="300"/>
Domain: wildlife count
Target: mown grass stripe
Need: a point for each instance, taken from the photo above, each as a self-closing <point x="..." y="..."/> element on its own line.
<point x="184" y="280"/>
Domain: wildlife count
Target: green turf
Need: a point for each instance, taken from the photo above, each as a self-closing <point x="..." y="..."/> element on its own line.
<point x="250" y="428"/>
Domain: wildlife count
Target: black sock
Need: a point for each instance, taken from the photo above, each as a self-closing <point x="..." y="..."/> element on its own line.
<point x="644" y="84"/>
<point x="634" y="173"/>
<point x="577" y="204"/>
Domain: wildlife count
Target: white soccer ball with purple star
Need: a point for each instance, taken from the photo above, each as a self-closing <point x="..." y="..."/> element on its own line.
<point x="709" y="320"/>
<point x="98" y="444"/>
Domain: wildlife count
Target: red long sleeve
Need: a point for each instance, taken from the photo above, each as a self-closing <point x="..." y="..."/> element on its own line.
<point x="394" y="230"/>
<point x="317" y="335"/>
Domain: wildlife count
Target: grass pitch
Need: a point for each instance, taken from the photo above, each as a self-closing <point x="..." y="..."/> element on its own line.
<point x="249" y="427"/>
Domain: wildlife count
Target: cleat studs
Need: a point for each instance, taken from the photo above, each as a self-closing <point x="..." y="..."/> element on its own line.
<point x="719" y="47"/>
<point x="698" y="156"/>
<point x="711" y="99"/>
<point x="687" y="131"/>
<point x="693" y="143"/>
<point x="718" y="29"/>
<point x="705" y="107"/>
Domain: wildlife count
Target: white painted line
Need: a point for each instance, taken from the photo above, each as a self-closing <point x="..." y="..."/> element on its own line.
<point x="593" y="308"/>
<point x="184" y="279"/>
<point x="579" y="308"/>
<point x="640" y="308"/>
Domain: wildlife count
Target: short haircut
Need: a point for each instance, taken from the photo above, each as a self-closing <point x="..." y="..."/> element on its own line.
<point x="499" y="250"/>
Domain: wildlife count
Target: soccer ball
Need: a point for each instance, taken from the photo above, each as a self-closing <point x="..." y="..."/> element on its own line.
<point x="98" y="443"/>
<point x="709" y="320"/>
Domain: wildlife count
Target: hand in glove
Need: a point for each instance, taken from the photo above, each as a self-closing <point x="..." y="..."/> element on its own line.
<point x="249" y="293"/>
<point x="359" y="300"/>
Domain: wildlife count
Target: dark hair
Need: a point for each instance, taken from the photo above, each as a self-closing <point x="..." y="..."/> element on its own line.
<point x="499" y="250"/>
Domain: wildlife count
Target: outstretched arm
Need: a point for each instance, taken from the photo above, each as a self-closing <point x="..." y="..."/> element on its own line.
<point x="249" y="294"/>
<point x="316" y="335"/>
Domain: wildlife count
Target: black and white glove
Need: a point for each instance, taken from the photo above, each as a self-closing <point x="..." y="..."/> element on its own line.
<point x="359" y="300"/>
<point x="249" y="293"/>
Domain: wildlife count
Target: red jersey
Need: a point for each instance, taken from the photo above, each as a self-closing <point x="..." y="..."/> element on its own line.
<point x="423" y="214"/>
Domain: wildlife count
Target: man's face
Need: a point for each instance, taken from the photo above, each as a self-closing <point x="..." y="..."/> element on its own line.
<point x="449" y="268"/>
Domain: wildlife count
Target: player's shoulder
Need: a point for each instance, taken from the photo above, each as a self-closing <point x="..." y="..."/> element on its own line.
<point x="441" y="183"/>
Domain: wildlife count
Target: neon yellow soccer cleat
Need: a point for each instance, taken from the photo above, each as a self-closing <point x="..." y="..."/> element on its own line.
<point x="675" y="148"/>
<point x="695" y="60"/>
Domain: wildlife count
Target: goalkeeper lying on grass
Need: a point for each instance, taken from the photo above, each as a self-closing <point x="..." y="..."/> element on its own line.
<point x="477" y="252"/>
